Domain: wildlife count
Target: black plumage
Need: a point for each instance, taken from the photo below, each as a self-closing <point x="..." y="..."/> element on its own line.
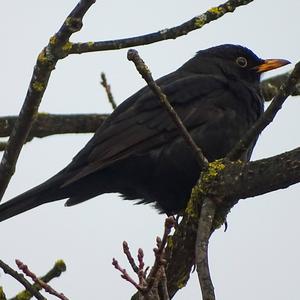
<point x="139" y="153"/>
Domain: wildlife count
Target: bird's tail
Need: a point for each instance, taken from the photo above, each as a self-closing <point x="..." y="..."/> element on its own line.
<point x="34" y="197"/>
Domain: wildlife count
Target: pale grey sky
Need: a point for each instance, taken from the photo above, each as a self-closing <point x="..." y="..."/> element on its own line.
<point x="258" y="256"/>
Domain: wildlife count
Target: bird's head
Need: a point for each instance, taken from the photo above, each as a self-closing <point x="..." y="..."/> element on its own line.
<point x="234" y="61"/>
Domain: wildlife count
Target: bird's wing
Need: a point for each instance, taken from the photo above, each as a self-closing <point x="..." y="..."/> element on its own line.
<point x="140" y="123"/>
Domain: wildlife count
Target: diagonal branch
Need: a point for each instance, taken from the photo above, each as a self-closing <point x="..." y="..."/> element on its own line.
<point x="47" y="59"/>
<point x="133" y="55"/>
<point x="19" y="277"/>
<point x="284" y="91"/>
<point x="55" y="272"/>
<point x="209" y="207"/>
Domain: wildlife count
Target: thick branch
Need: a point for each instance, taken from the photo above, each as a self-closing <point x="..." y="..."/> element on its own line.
<point x="237" y="180"/>
<point x="49" y="124"/>
<point x="165" y="34"/>
<point x="55" y="50"/>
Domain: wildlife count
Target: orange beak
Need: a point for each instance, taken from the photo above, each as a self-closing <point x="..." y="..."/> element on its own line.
<point x="271" y="64"/>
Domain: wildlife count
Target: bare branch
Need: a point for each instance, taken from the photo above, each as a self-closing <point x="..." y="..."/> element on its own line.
<point x="159" y="254"/>
<point x="130" y="259"/>
<point x="47" y="59"/>
<point x="20" y="278"/>
<point x="107" y="88"/>
<point x="238" y="180"/>
<point x="24" y="268"/>
<point x="270" y="87"/>
<point x="170" y="33"/>
<point x="284" y="91"/>
<point x="203" y="234"/>
<point x="50" y="124"/>
<point x="133" y="55"/>
<point x="55" y="272"/>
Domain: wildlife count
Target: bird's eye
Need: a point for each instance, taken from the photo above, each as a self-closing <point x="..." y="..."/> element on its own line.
<point x="242" y="61"/>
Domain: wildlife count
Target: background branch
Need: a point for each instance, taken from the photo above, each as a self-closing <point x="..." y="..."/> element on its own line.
<point x="58" y="268"/>
<point x="107" y="88"/>
<point x="284" y="91"/>
<point x="45" y="64"/>
<point x="20" y="278"/>
<point x="270" y="86"/>
<point x="47" y="124"/>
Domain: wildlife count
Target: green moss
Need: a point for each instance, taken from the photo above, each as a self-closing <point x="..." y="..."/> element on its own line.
<point x="67" y="46"/>
<point x="215" y="10"/>
<point x="200" y="21"/>
<point x="90" y="44"/>
<point x="182" y="282"/>
<point x="25" y="295"/>
<point x="60" y="264"/>
<point x="42" y="58"/>
<point x="2" y="294"/>
<point x="213" y="170"/>
<point x="170" y="242"/>
<point x="38" y="86"/>
<point x="191" y="206"/>
<point x="53" y="40"/>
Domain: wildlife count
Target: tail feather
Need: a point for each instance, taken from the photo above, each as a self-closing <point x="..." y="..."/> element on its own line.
<point x="46" y="192"/>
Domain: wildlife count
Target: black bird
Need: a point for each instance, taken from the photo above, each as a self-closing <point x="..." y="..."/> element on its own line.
<point x="138" y="151"/>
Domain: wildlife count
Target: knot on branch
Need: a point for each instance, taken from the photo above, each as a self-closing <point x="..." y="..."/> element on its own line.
<point x="73" y="24"/>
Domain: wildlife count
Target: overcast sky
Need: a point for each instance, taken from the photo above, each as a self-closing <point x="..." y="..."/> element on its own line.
<point x="258" y="256"/>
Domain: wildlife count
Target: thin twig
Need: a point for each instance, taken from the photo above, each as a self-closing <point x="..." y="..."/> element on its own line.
<point x="203" y="233"/>
<point x="284" y="91"/>
<point x="55" y="272"/>
<point x="130" y="258"/>
<point x="133" y="55"/>
<point x="270" y="86"/>
<point x="107" y="88"/>
<point x="47" y="59"/>
<point x="20" y="278"/>
<point x="126" y="276"/>
<point x="24" y="268"/>
<point x="170" y="33"/>
<point x="159" y="254"/>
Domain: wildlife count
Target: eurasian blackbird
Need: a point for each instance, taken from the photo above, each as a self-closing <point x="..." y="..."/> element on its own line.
<point x="139" y="153"/>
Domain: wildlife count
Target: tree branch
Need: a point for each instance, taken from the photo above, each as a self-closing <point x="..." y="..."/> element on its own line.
<point x="47" y="59"/>
<point x="205" y="224"/>
<point x="133" y="55"/>
<point x="238" y="180"/>
<point x="20" y="278"/>
<point x="284" y="91"/>
<point x="48" y="124"/>
<point x="55" y="272"/>
<point x="107" y="88"/>
<point x="171" y="33"/>
<point x="270" y="87"/>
